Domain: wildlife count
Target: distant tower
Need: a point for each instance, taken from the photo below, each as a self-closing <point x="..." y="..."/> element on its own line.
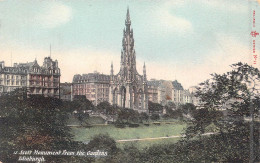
<point x="144" y="72"/>
<point x="112" y="72"/>
<point x="128" y="89"/>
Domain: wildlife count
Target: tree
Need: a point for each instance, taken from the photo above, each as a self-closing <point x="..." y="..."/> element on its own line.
<point x="33" y="123"/>
<point x="188" y="108"/>
<point x="155" y="107"/>
<point x="237" y="92"/>
<point x="172" y="112"/>
<point x="128" y="115"/>
<point x="83" y="103"/>
<point x="177" y="114"/>
<point x="155" y="117"/>
<point x="144" y="116"/>
<point x="231" y="91"/>
<point x="103" y="142"/>
<point x="106" y="108"/>
<point x="80" y="106"/>
<point x="171" y="105"/>
<point x="132" y="154"/>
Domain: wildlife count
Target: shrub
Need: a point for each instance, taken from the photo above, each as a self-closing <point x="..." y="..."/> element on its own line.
<point x="155" y="117"/>
<point x="119" y="124"/>
<point x="133" y="125"/>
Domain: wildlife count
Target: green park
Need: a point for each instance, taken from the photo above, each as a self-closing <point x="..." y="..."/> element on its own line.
<point x="139" y="136"/>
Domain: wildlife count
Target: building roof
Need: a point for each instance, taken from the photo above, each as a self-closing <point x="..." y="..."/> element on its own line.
<point x="176" y="85"/>
<point x="32" y="67"/>
<point x="91" y="77"/>
<point x="155" y="83"/>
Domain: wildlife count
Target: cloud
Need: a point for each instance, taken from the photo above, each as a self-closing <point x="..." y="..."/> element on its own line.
<point x="54" y="14"/>
<point x="172" y="23"/>
<point x="166" y="21"/>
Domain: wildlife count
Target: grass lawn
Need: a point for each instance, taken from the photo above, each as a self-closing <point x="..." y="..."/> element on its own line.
<point x="152" y="131"/>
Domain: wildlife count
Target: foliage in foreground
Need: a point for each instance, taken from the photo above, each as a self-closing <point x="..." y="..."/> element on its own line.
<point x="33" y="123"/>
<point x="236" y="93"/>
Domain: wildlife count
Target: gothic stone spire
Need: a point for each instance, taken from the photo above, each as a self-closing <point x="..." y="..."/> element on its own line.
<point x="127" y="21"/>
<point x="128" y="58"/>
<point x="112" y="70"/>
<point x="144" y="71"/>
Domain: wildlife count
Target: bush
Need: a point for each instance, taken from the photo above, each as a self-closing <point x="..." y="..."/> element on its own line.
<point x="102" y="142"/>
<point x="166" y="116"/>
<point x="157" y="123"/>
<point x="155" y="117"/>
<point x="133" y="125"/>
<point x="119" y="124"/>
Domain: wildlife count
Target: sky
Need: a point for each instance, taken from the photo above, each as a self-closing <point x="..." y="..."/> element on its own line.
<point x="184" y="40"/>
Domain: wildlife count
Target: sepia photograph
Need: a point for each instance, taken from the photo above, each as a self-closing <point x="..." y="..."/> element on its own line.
<point x="129" y="81"/>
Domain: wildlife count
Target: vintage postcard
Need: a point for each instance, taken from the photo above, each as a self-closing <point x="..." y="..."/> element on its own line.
<point x="120" y="81"/>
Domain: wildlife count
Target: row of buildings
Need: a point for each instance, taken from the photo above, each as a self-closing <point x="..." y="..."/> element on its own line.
<point x="45" y="80"/>
<point x="95" y="87"/>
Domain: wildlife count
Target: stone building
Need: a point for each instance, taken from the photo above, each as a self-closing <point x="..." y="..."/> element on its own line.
<point x="157" y="91"/>
<point x="128" y="89"/>
<point x="168" y="89"/>
<point x="163" y="91"/>
<point x="12" y="78"/>
<point x="177" y="93"/>
<point x="94" y="86"/>
<point x="66" y="91"/>
<point x="187" y="98"/>
<point x="180" y="95"/>
<point x="38" y="80"/>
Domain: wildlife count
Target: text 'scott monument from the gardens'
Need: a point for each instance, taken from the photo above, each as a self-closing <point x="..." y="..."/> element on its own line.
<point x="128" y="89"/>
